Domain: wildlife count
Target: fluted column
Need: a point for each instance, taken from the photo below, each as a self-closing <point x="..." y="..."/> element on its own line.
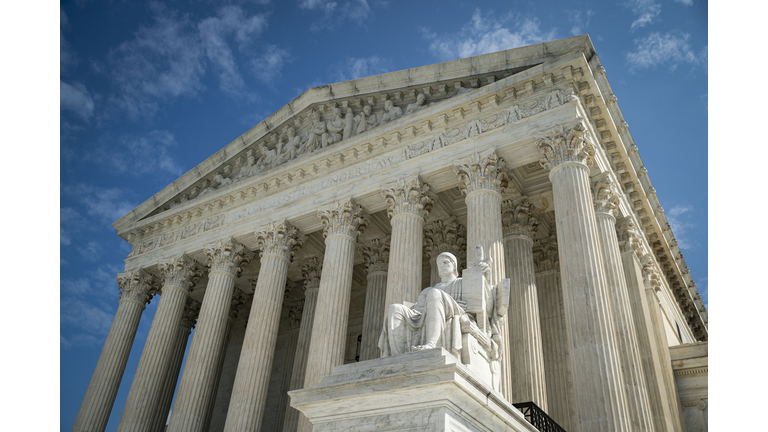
<point x="444" y="236"/>
<point x="606" y="200"/>
<point x="482" y="179"/>
<point x="598" y="383"/>
<point x="376" y="255"/>
<point x="343" y="222"/>
<point x="277" y="244"/>
<point x="179" y="275"/>
<point x="652" y="282"/>
<point x="527" y="359"/>
<point x="631" y="251"/>
<point x="197" y="388"/>
<point x="557" y="365"/>
<point x="311" y="272"/>
<point x="408" y="205"/>
<point x="295" y="316"/>
<point x="183" y="329"/>
<point x="135" y="292"/>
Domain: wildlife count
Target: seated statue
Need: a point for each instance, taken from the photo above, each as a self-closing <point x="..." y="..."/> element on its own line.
<point x="453" y="314"/>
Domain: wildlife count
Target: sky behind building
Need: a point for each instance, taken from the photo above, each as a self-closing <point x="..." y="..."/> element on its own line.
<point x="150" y="90"/>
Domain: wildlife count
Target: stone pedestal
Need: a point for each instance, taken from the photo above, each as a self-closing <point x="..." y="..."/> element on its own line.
<point x="419" y="391"/>
<point x="135" y="287"/>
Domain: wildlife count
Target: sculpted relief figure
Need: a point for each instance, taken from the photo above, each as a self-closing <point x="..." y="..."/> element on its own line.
<point x="391" y="112"/>
<point x="248" y="169"/>
<point x="460" y="315"/>
<point x="316" y="131"/>
<point x="217" y="182"/>
<point x="268" y="158"/>
<point x="364" y="121"/>
<point x="419" y="104"/>
<point x="335" y="128"/>
<point x="291" y="147"/>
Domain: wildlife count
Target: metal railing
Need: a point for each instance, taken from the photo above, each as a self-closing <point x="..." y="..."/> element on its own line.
<point x="538" y="418"/>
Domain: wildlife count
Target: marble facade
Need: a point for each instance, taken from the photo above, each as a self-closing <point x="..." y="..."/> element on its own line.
<point x="284" y="249"/>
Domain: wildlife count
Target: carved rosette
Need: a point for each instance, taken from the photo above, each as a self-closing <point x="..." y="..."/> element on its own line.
<point x="136" y="285"/>
<point x="226" y="256"/>
<point x="376" y="254"/>
<point x="191" y="310"/>
<point x="482" y="172"/>
<point x="605" y="196"/>
<point x="281" y="239"/>
<point x="561" y="144"/>
<point x="311" y="272"/>
<point x="629" y="237"/>
<point x="409" y="196"/>
<point x="181" y="271"/>
<point x="518" y="219"/>
<point x="445" y="236"/>
<point x="237" y="303"/>
<point x="343" y="218"/>
<point x="545" y="254"/>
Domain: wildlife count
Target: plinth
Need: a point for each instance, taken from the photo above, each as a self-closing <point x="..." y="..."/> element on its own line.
<point x="418" y="391"/>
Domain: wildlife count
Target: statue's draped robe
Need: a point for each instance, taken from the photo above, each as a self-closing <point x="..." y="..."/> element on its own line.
<point x="405" y="327"/>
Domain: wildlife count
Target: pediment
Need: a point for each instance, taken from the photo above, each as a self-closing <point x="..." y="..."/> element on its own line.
<point x="325" y="116"/>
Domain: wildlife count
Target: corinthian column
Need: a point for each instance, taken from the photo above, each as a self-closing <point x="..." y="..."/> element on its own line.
<point x="606" y="200"/>
<point x="197" y="388"/>
<point x="444" y="236"/>
<point x="598" y="384"/>
<point x="343" y="222"/>
<point x="311" y="272"/>
<point x="376" y="255"/>
<point x="179" y="276"/>
<point x="183" y="329"/>
<point x="648" y="349"/>
<point x="408" y="205"/>
<point x="135" y="292"/>
<point x="483" y="180"/>
<point x="277" y="243"/>
<point x="529" y="382"/>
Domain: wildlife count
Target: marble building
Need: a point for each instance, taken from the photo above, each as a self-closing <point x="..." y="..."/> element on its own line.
<point x="276" y="258"/>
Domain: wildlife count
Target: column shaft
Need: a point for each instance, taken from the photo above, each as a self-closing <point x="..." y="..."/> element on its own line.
<point x="227" y="380"/>
<point x="647" y="346"/>
<point x="102" y="390"/>
<point x="599" y="391"/>
<point x="527" y="361"/>
<point x="171" y="378"/>
<point x="246" y="407"/>
<point x="555" y="350"/>
<point x="290" y="357"/>
<point x="291" y="421"/>
<point x="197" y="389"/>
<point x="405" y="265"/>
<point x="628" y="349"/>
<point x="373" y="316"/>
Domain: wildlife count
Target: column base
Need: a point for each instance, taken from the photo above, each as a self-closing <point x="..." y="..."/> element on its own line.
<point x="419" y="391"/>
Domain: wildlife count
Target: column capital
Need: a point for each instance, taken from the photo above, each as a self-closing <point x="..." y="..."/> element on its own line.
<point x="651" y="275"/>
<point x="311" y="272"/>
<point x="236" y="305"/>
<point x="408" y="196"/>
<point x="517" y="219"/>
<point x="281" y="239"/>
<point x="605" y="195"/>
<point x="629" y="236"/>
<point x="295" y="313"/>
<point x="343" y="218"/>
<point x="482" y="171"/>
<point x="562" y="144"/>
<point x="137" y="285"/>
<point x="227" y="256"/>
<point x="376" y="254"/>
<point x="446" y="235"/>
<point x="181" y="271"/>
<point x="191" y="310"/>
<point x="545" y="253"/>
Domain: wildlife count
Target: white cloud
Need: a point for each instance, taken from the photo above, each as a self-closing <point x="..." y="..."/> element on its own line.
<point x="680" y="226"/>
<point x="77" y="99"/>
<point x="268" y="66"/>
<point x="669" y="49"/>
<point x="685" y="2"/>
<point x="482" y="35"/>
<point x="359" y="67"/>
<point x="77" y="287"/>
<point x="333" y="13"/>
<point x="106" y="204"/>
<point x="138" y="155"/>
<point x="580" y="20"/>
<point x="91" y="251"/>
<point x="645" y="10"/>
<point x="67" y="57"/>
<point x="86" y="316"/>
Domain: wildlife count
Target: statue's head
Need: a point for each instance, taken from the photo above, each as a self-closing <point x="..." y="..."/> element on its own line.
<point x="449" y="257"/>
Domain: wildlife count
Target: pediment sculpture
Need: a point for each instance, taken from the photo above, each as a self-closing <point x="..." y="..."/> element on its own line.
<point x="460" y="314"/>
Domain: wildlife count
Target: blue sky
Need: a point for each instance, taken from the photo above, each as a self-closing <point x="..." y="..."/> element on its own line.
<point x="149" y="90"/>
